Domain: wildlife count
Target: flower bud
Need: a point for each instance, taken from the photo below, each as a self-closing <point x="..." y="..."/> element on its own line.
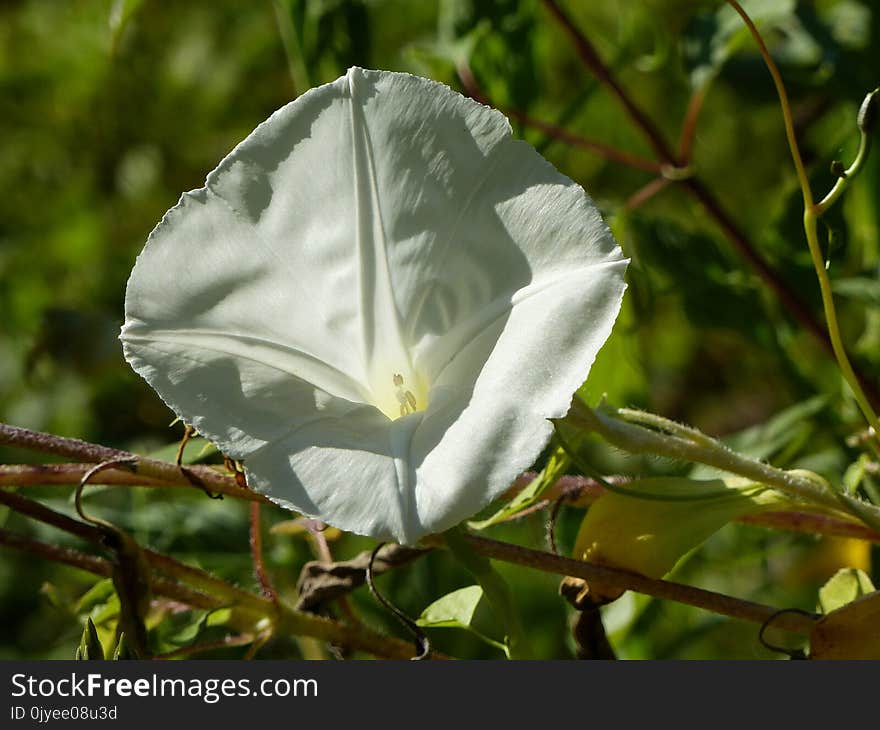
<point x="868" y="112"/>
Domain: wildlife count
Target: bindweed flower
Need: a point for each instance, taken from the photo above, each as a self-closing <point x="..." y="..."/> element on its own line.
<point x="375" y="303"/>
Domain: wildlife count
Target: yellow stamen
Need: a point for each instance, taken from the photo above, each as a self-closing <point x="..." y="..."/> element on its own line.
<point x="405" y="398"/>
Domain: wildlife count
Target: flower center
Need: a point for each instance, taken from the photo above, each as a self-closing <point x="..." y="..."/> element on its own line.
<point x="406" y="398"/>
<point x="401" y="396"/>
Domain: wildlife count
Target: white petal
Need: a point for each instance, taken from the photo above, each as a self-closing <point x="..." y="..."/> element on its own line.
<point x="531" y="361"/>
<point x="378" y="225"/>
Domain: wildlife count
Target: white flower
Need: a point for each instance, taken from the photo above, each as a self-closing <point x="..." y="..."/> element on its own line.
<point x="376" y="302"/>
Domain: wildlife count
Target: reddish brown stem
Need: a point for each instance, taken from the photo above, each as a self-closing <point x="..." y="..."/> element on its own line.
<point x="600" y="575"/>
<point x="48" y="516"/>
<point x="47" y="443"/>
<point x="689" y="127"/>
<point x="24" y="475"/>
<point x="65" y="555"/>
<point x="151" y="470"/>
<point x="644" y="194"/>
<point x="256" y="544"/>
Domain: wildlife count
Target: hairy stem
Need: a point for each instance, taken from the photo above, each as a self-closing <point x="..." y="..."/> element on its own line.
<point x="638" y="439"/>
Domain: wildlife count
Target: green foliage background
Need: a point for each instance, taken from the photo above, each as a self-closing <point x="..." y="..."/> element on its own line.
<point x="109" y="110"/>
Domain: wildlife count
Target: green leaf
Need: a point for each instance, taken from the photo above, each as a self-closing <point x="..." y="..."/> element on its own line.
<point x="453" y="609"/>
<point x="182" y="629"/>
<point x="90" y="648"/>
<point x="845" y="586"/>
<point x="185" y="628"/>
<point x="108" y="610"/>
<point x="461" y="609"/>
<point x="122" y="650"/>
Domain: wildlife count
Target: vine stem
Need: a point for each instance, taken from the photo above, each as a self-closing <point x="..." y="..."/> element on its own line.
<point x="790" y="135"/>
<point x="812" y="211"/>
<point x="844" y="176"/>
<point x="197" y="587"/>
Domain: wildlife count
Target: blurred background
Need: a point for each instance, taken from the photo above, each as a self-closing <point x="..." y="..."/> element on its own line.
<point x="110" y="109"/>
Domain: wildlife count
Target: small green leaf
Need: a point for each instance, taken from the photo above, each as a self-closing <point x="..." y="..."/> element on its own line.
<point x="845" y="586"/>
<point x="122" y="651"/>
<point x="193" y="624"/>
<point x="185" y="628"/>
<point x="218" y="617"/>
<point x="453" y="609"/>
<point x="101" y="613"/>
<point x="462" y="609"/>
<point x="90" y="648"/>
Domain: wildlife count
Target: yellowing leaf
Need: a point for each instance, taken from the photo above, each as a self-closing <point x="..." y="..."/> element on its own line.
<point x="656" y="521"/>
